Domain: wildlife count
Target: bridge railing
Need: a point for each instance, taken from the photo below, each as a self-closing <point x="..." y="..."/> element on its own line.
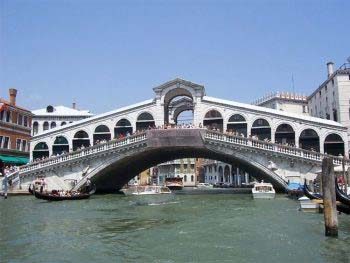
<point x="113" y="144"/>
<point x="274" y="147"/>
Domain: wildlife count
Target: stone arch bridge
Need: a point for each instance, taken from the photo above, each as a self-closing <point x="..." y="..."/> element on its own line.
<point x="104" y="148"/>
<point x="114" y="163"/>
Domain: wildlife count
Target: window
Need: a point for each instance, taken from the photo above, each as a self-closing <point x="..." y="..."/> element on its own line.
<point x="192" y="178"/>
<point x="1" y="140"/>
<point x="304" y="109"/>
<point x="333" y="82"/>
<point x="25" y="122"/>
<point x="20" y="119"/>
<point x="320" y="93"/>
<point x="8" y="116"/>
<point x="46" y="126"/>
<point x="185" y="178"/>
<point x="6" y="144"/>
<point x="335" y="115"/>
<point x="325" y="88"/>
<point x="18" y="144"/>
<point x="24" y="145"/>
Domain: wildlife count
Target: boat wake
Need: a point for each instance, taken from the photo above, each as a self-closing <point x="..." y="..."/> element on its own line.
<point x="164" y="203"/>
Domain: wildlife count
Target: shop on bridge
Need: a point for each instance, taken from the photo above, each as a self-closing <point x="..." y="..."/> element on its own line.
<point x="237" y="123"/>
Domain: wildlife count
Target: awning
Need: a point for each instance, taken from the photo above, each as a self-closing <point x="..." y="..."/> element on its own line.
<point x="14" y="159"/>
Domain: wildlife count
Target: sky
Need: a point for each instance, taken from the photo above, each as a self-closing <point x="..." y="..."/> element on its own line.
<point x="106" y="54"/>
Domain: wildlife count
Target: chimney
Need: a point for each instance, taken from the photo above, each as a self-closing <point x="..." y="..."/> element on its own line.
<point x="330" y="68"/>
<point x="13" y="94"/>
<point x="74" y="106"/>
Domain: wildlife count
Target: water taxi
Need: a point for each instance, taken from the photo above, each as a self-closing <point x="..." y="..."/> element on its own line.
<point x="145" y="190"/>
<point x="263" y="191"/>
<point x="174" y="183"/>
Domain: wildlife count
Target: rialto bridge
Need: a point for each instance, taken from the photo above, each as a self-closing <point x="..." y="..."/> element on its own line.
<point x="113" y="147"/>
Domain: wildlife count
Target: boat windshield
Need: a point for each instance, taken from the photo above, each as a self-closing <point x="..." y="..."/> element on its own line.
<point x="263" y="188"/>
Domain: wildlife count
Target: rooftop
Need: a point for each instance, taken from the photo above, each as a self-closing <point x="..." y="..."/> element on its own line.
<point x="61" y="111"/>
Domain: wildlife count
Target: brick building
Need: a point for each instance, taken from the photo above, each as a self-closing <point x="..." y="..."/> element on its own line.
<point x="15" y="131"/>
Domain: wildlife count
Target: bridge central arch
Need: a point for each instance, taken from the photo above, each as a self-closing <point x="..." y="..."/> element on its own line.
<point x="167" y="145"/>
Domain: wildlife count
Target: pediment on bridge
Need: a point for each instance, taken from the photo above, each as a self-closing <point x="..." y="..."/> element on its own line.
<point x="179" y="83"/>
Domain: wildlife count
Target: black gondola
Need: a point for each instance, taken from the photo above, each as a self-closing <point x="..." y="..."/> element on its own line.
<point x="57" y="197"/>
<point x="310" y="194"/>
<point x="341" y="196"/>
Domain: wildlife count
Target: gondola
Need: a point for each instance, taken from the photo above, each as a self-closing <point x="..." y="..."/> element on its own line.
<point x="341" y="196"/>
<point x="310" y="194"/>
<point x="56" y="197"/>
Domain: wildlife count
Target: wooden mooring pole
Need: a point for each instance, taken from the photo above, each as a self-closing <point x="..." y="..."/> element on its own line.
<point x="329" y="199"/>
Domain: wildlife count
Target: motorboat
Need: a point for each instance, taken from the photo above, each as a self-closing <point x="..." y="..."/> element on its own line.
<point x="204" y="186"/>
<point x="145" y="190"/>
<point x="308" y="205"/>
<point x="174" y="183"/>
<point x="295" y="190"/>
<point x="263" y="191"/>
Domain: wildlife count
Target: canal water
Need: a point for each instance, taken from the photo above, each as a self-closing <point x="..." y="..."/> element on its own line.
<point x="185" y="228"/>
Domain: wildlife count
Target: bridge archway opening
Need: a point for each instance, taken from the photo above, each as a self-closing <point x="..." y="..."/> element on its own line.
<point x="173" y="98"/>
<point x="145" y="121"/>
<point x="53" y="125"/>
<point x="46" y="126"/>
<point x="261" y="129"/>
<point x="122" y="128"/>
<point x="81" y="140"/>
<point x="60" y="145"/>
<point x="334" y="145"/>
<point x="213" y="120"/>
<point x="101" y="133"/>
<point x="285" y="134"/>
<point x="309" y="140"/>
<point x="41" y="150"/>
<point x="63" y="123"/>
<point x="237" y="124"/>
<point x="184" y="117"/>
<point x="221" y="174"/>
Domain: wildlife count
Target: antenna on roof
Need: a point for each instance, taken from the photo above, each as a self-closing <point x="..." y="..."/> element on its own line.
<point x="293" y="83"/>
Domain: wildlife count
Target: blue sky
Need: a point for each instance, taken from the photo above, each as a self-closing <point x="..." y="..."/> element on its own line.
<point x="107" y="54"/>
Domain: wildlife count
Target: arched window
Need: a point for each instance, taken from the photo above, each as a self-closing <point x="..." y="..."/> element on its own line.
<point x="102" y="133"/>
<point x="185" y="178"/>
<point x="60" y="145"/>
<point x="63" y="123"/>
<point x="40" y="150"/>
<point x="261" y="129"/>
<point x="53" y="125"/>
<point x="122" y="128"/>
<point x="334" y="145"/>
<point x="45" y="126"/>
<point x="80" y="140"/>
<point x="285" y="134"/>
<point x="309" y="140"/>
<point x="213" y="120"/>
<point x="237" y="124"/>
<point x="144" y="121"/>
<point x="35" y="128"/>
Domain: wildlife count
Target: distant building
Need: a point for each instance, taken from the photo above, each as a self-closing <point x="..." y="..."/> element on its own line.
<point x="15" y="131"/>
<point x="284" y="101"/>
<point x="52" y="117"/>
<point x="331" y="100"/>
<point x="217" y="172"/>
<point x="184" y="168"/>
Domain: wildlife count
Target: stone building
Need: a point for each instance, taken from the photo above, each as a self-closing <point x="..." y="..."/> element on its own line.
<point x="15" y="131"/>
<point x="284" y="101"/>
<point x="331" y="100"/>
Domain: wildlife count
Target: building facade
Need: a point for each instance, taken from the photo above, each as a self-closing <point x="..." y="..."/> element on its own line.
<point x="219" y="173"/>
<point x="56" y="116"/>
<point x="15" y="131"/>
<point x="183" y="168"/>
<point x="331" y="100"/>
<point x="285" y="101"/>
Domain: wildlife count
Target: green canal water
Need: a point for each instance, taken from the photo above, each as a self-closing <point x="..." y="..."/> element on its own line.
<point x="186" y="228"/>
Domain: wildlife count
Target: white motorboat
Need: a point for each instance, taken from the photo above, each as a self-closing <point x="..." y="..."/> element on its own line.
<point x="263" y="191"/>
<point x="146" y="190"/>
<point x="204" y="186"/>
<point x="308" y="205"/>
